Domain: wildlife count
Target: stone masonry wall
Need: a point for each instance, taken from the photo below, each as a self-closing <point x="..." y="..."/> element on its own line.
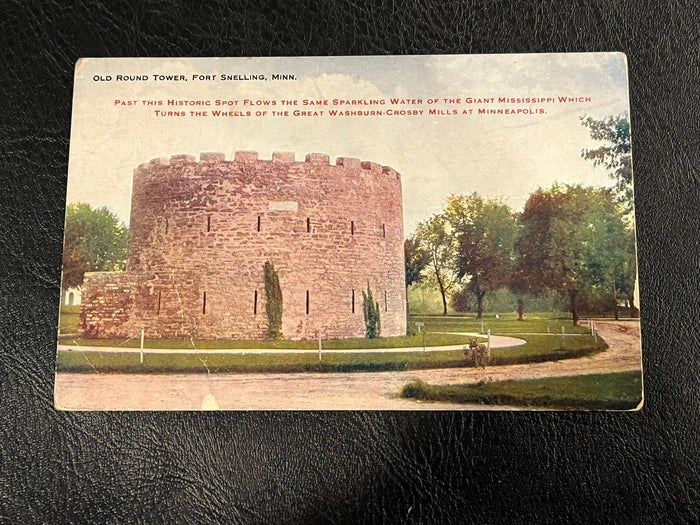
<point x="106" y="305"/>
<point x="202" y="231"/>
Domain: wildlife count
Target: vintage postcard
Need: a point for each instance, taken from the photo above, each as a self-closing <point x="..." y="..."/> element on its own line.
<point x="350" y="233"/>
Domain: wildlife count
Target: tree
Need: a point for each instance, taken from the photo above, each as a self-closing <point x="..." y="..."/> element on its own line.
<point x="615" y="152"/>
<point x="485" y="232"/>
<point x="519" y="285"/>
<point x="436" y="239"/>
<point x="575" y="242"/>
<point x="609" y="259"/>
<point x="273" y="301"/>
<point x="625" y="274"/>
<point x="416" y="259"/>
<point x="94" y="241"/>
<point x="370" y="309"/>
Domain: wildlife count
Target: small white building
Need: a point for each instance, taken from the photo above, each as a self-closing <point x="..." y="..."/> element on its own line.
<point x="71" y="296"/>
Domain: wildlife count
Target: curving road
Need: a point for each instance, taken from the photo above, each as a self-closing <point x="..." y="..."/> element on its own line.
<point x="497" y="341"/>
<point x="314" y="391"/>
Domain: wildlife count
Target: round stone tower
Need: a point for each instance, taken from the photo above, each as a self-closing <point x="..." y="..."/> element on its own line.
<point x="201" y="233"/>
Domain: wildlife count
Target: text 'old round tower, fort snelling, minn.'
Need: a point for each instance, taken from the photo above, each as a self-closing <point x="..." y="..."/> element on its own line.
<point x="201" y="233"/>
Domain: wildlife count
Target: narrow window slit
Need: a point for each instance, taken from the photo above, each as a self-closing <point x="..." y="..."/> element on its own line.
<point x="258" y="222"/>
<point x="158" y="310"/>
<point x="353" y="300"/>
<point x="166" y="225"/>
<point x="308" y="225"/>
<point x="208" y="222"/>
<point x="384" y="230"/>
<point x="386" y="304"/>
<point x="352" y="227"/>
<point x="255" y="303"/>
<point x="204" y="303"/>
<point x="307" y="302"/>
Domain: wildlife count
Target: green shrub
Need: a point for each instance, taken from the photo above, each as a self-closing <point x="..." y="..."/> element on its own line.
<point x="424" y="297"/>
<point x="370" y="309"/>
<point x="416" y="389"/>
<point x="273" y="305"/>
<point x="462" y="300"/>
<point x="501" y="300"/>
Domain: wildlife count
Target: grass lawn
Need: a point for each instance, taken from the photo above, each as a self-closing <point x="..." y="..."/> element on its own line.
<point x="201" y="362"/>
<point x="617" y="391"/>
<point x="505" y="324"/>
<point x="541" y="348"/>
<point x="538" y="348"/>
<point x="69" y="361"/>
<point x="68" y="320"/>
<point x="328" y="344"/>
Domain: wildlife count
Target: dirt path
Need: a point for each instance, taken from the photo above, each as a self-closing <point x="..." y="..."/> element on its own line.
<point x="351" y="391"/>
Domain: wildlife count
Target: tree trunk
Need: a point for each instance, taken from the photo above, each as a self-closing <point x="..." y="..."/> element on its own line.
<point x="521" y="310"/>
<point x="574" y="309"/>
<point x="634" y="311"/>
<point x="443" y="292"/>
<point x="409" y="330"/>
<point x="479" y="303"/>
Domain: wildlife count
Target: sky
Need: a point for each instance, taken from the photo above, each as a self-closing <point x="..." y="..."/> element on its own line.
<point x="504" y="156"/>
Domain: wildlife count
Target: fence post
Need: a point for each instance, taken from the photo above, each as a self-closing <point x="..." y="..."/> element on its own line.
<point x="562" y="337"/>
<point x="141" y="353"/>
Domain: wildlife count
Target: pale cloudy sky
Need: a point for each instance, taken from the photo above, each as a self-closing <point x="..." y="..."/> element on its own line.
<point x="505" y="156"/>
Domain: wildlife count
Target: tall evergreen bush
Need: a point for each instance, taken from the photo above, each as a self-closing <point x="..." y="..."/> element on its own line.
<point x="273" y="305"/>
<point x="370" y="309"/>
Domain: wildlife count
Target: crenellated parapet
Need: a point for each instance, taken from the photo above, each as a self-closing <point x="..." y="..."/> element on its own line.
<point x="352" y="165"/>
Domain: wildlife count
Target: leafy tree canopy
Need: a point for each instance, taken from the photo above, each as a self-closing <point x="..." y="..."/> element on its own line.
<point x="575" y="242"/>
<point x="416" y="258"/>
<point x="485" y="232"/>
<point x="94" y="241"/>
<point x="615" y="152"/>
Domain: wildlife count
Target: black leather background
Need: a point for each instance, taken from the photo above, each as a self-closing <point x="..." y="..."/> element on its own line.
<point x="348" y="467"/>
